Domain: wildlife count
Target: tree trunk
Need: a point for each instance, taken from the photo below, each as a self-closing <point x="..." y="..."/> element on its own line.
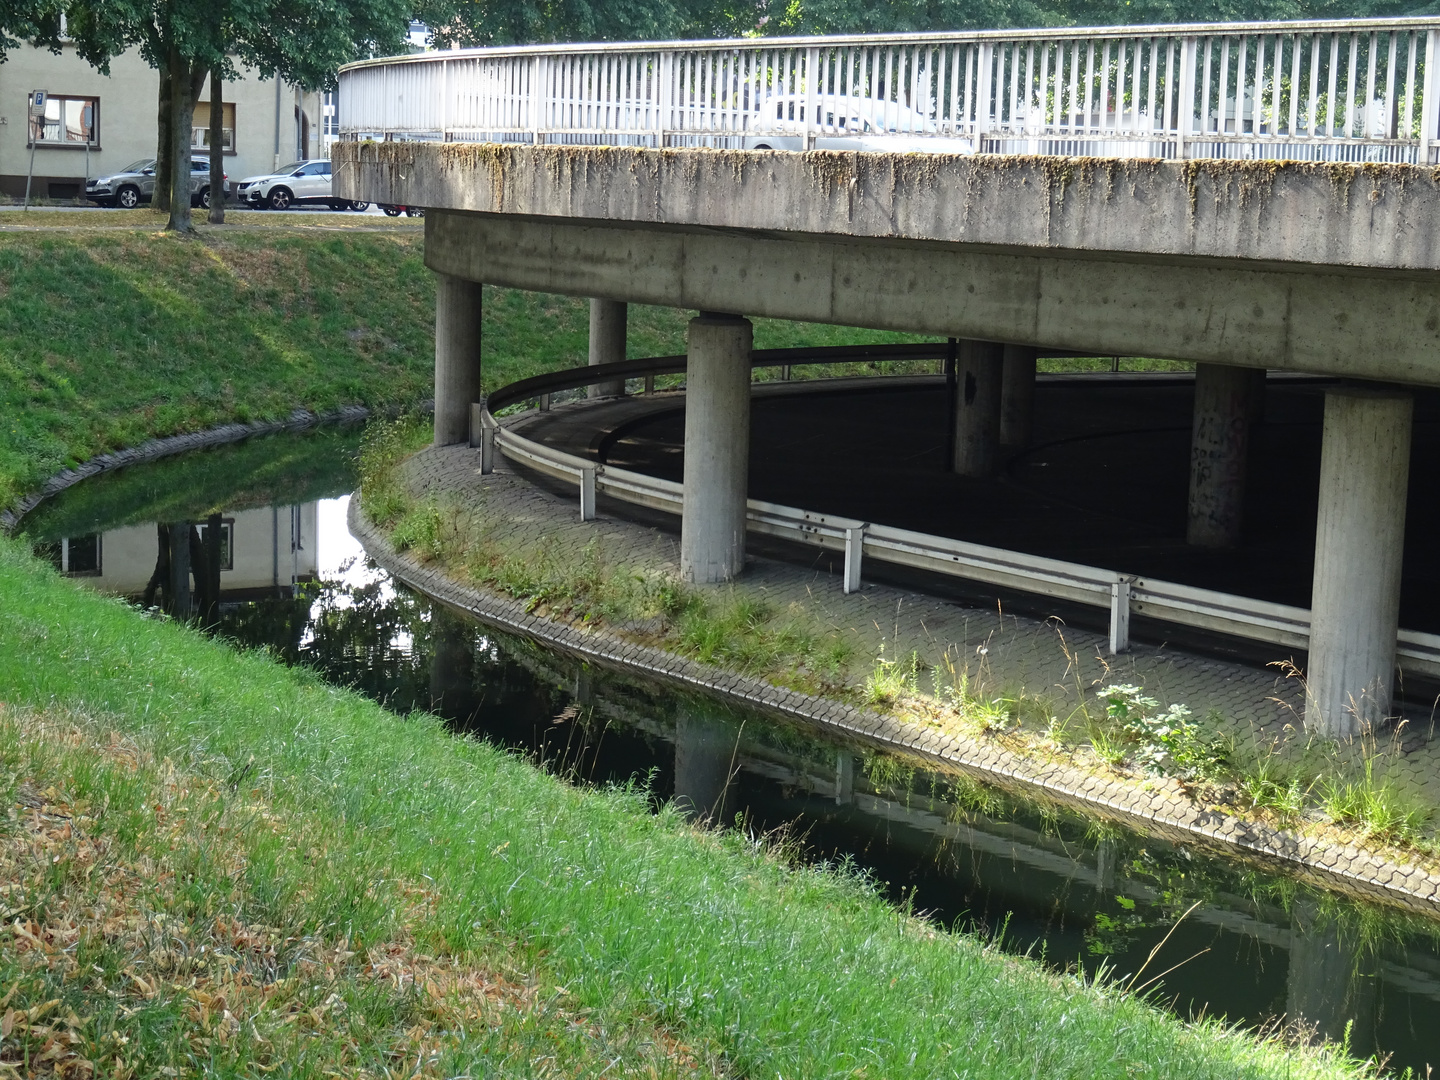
<point x="217" y="148"/>
<point x="185" y="82"/>
<point x="160" y="199"/>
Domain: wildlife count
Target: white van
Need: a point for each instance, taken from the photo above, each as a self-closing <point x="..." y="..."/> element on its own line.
<point x="847" y="123"/>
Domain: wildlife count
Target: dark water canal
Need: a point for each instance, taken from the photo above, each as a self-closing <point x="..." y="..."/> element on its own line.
<point x="1258" y="947"/>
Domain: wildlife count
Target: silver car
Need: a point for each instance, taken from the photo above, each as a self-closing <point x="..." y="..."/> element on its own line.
<point x="135" y="184"/>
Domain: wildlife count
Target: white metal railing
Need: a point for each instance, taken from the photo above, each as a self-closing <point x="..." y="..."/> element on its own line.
<point x="1356" y="90"/>
<point x="1184" y="605"/>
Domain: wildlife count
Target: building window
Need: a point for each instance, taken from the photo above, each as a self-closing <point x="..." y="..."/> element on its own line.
<point x="68" y="121"/>
<point x="200" y="131"/>
<point x="227" y="541"/>
<point x="78" y="556"/>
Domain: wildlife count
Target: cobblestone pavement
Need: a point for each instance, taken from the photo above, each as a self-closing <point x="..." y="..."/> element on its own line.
<point x="1057" y="667"/>
<point x="1157" y="806"/>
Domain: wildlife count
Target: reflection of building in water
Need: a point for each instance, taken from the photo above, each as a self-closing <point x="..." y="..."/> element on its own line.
<point x="263" y="552"/>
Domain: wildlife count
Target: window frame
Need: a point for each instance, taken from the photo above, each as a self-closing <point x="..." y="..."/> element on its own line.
<point x="200" y="132"/>
<point x="227" y="540"/>
<point x="62" y="144"/>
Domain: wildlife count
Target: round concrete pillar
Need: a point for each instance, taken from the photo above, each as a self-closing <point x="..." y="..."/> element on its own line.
<point x="1017" y="395"/>
<point x="607" y="342"/>
<point x="1225" y="409"/>
<point x="979" y="372"/>
<point x="717" y="448"/>
<point x="705" y="763"/>
<point x="1333" y="980"/>
<point x="1359" y="544"/>
<point x="457" y="357"/>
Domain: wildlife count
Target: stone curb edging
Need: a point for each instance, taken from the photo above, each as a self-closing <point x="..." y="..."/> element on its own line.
<point x="154" y="449"/>
<point x="1167" y="814"/>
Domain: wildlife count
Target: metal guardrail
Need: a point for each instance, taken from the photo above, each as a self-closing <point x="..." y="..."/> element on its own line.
<point x="1345" y="90"/>
<point x="1123" y="594"/>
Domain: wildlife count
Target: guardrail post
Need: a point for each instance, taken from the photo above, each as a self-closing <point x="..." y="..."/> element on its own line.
<point x="537" y="68"/>
<point x="587" y="493"/>
<point x="544" y="403"/>
<point x="1120" y="616"/>
<point x="650" y="383"/>
<point x="854" y="552"/>
<point x="487" y="450"/>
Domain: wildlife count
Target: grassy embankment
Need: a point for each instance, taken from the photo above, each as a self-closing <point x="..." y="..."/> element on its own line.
<point x="169" y="800"/>
<point x="110" y="335"/>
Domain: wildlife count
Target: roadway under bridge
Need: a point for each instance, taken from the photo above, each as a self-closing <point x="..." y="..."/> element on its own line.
<point x="1257" y="199"/>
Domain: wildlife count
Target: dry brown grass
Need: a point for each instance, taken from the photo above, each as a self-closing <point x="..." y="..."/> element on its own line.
<point x="127" y="950"/>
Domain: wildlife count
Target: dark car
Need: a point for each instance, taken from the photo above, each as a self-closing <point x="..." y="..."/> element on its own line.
<point x="135" y="184"/>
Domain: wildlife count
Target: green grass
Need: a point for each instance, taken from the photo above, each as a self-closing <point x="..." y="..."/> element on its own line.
<point x="782" y="970"/>
<point x="113" y="335"/>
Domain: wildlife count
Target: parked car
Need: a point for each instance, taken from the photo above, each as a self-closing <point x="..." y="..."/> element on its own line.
<point x="135" y="184"/>
<point x="847" y="123"/>
<point x="296" y="184"/>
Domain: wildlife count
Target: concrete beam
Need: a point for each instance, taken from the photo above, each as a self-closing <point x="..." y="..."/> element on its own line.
<point x="607" y="342"/>
<point x="1323" y="214"/>
<point x="1383" y="327"/>
<point x="717" y="449"/>
<point x="457" y="356"/>
<point x="1359" y="545"/>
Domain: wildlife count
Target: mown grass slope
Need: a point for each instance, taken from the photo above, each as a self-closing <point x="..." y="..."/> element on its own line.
<point x="450" y="852"/>
<point x="109" y="336"/>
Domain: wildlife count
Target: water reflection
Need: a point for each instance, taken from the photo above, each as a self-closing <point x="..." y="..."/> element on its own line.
<point x="1258" y="948"/>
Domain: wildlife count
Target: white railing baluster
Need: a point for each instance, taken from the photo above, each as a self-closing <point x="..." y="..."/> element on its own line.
<point x="1391" y="112"/>
<point x="1351" y="104"/>
<point x="1228" y="90"/>
<point x="1333" y="71"/>
<point x="1430" y="101"/>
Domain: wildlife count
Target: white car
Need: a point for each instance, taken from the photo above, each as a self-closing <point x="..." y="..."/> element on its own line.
<point x="297" y="184"/>
<point x="847" y="123"/>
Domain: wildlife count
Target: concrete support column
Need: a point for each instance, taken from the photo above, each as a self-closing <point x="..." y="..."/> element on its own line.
<point x="1017" y="395"/>
<point x="979" y="372"/>
<point x="607" y="342"/>
<point x="717" y="448"/>
<point x="1359" y="543"/>
<point x="1333" y="981"/>
<point x="1225" y="409"/>
<point x="705" y="763"/>
<point x="457" y="357"/>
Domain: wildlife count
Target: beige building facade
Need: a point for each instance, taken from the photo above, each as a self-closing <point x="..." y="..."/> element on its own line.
<point x="96" y="124"/>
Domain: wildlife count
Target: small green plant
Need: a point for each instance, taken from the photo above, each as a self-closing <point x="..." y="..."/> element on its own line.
<point x="891" y="679"/>
<point x="1167" y="741"/>
<point x="387" y="443"/>
<point x="1374" y="806"/>
<point x="1270" y="786"/>
<point x="419" y="531"/>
